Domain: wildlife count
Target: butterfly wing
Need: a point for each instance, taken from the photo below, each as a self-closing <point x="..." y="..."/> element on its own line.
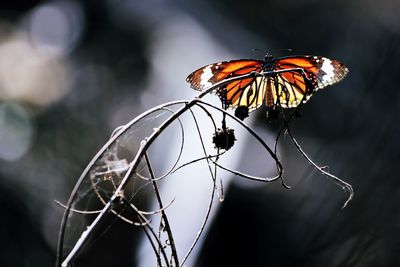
<point x="289" y="89"/>
<point x="244" y="92"/>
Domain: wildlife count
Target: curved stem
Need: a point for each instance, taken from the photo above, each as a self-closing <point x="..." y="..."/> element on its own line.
<point x="213" y="177"/>
<point x="338" y="181"/>
<point x="253" y="133"/>
<point x="163" y="214"/>
<point x="146" y="224"/>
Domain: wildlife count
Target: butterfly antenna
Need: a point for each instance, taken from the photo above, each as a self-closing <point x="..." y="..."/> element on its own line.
<point x="269" y="53"/>
<point x="259" y="50"/>
<point x="284" y="50"/>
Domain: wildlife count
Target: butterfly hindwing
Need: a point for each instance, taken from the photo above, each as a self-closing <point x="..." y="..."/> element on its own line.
<point x="251" y="95"/>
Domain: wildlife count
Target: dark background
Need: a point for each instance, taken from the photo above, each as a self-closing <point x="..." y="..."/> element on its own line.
<point x="72" y="71"/>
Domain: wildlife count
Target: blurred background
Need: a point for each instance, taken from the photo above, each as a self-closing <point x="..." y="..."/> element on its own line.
<point x="72" y="71"/>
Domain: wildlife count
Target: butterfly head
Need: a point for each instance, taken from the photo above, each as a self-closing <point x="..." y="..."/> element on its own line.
<point x="268" y="58"/>
<point x="268" y="61"/>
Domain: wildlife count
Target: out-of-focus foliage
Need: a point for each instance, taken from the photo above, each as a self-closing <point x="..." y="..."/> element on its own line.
<point x="71" y="71"/>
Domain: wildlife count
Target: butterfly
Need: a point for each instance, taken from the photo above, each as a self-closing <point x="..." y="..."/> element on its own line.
<point x="291" y="80"/>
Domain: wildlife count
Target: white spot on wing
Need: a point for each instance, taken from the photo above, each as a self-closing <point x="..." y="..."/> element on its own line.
<point x="329" y="70"/>
<point x="206" y="76"/>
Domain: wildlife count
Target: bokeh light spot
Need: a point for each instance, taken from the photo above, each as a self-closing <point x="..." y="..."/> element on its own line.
<point x="56" y="27"/>
<point x="29" y="76"/>
<point x="16" y="131"/>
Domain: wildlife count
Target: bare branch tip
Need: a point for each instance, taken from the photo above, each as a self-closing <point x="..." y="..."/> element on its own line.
<point x="350" y="190"/>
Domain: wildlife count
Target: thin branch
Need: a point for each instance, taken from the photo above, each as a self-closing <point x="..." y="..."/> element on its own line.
<point x="163" y="214"/>
<point x="197" y="160"/>
<point x="142" y="218"/>
<point x="286" y="124"/>
<point x="218" y="153"/>
<point x="171" y="170"/>
<point x="213" y="177"/>
<point x="256" y="136"/>
<point x="84" y="236"/>
<point x="345" y="186"/>
<point x="250" y="177"/>
<point x="76" y="210"/>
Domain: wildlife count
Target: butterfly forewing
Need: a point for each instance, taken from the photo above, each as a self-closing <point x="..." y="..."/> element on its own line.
<point x="213" y="73"/>
<point x="320" y="71"/>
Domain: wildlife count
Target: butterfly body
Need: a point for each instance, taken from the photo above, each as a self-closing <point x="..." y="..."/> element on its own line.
<point x="290" y="81"/>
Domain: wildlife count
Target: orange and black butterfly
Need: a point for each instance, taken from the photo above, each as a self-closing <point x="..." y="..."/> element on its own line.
<point x="292" y="80"/>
